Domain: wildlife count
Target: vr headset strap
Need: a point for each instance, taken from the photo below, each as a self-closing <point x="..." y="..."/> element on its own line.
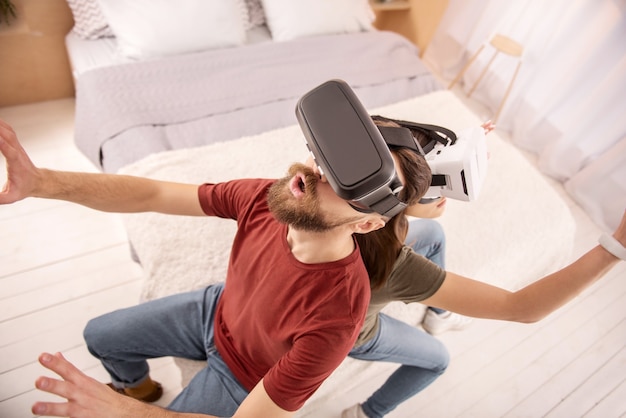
<point x="389" y="206"/>
<point x="400" y="137"/>
<point x="434" y="133"/>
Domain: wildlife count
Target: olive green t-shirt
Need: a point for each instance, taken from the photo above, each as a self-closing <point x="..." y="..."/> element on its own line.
<point x="413" y="279"/>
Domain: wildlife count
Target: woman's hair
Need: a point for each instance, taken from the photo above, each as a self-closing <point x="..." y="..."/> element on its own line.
<point x="380" y="248"/>
<point x="419" y="136"/>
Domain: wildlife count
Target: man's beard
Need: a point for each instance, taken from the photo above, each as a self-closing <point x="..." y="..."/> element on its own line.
<point x="302" y="213"/>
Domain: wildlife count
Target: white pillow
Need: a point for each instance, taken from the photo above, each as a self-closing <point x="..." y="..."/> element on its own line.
<point x="150" y="28"/>
<point x="256" y="16"/>
<point x="89" y="22"/>
<point x="291" y="19"/>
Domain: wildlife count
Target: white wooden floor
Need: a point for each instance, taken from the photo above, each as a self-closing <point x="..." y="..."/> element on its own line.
<point x="62" y="264"/>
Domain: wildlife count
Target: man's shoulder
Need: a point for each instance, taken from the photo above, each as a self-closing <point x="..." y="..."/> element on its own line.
<point x="247" y="184"/>
<point x="231" y="198"/>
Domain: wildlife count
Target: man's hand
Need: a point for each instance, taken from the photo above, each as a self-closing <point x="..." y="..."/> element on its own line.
<point x="620" y="232"/>
<point x="21" y="172"/>
<point x="85" y="396"/>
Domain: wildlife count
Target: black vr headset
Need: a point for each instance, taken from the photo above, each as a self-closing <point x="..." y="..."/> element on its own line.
<point x="349" y="149"/>
<point x="353" y="152"/>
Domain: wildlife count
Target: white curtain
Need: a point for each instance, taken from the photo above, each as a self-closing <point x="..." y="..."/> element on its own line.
<point x="568" y="103"/>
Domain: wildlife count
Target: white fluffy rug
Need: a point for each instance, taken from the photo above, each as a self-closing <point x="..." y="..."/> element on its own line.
<point x="517" y="231"/>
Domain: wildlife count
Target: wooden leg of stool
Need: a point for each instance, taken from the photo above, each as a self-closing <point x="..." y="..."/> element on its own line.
<point x="465" y="67"/>
<point x="506" y="94"/>
<point x="482" y="74"/>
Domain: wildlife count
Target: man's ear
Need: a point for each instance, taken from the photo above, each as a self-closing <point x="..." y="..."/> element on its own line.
<point x="368" y="224"/>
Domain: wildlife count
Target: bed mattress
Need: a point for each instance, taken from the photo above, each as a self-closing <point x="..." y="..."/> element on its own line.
<point x="126" y="110"/>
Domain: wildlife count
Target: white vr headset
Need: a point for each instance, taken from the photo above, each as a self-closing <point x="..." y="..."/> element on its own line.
<point x="458" y="163"/>
<point x="459" y="170"/>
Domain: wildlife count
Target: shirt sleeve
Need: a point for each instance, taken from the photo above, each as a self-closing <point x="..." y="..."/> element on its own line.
<point x="414" y="277"/>
<point x="302" y="370"/>
<point x="318" y="351"/>
<point x="229" y="199"/>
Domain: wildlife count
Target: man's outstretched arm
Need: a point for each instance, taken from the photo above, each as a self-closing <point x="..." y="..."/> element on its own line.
<point x="105" y="192"/>
<point x="88" y="398"/>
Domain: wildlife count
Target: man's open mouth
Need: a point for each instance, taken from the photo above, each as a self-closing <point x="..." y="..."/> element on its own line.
<point x="297" y="185"/>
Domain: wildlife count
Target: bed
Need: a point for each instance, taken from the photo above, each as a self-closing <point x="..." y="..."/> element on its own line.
<point x="132" y="104"/>
<point x="228" y="112"/>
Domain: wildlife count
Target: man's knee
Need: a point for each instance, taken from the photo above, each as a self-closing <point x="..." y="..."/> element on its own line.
<point x="97" y="333"/>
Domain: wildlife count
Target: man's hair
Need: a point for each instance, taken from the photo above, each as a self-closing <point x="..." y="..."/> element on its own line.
<point x="380" y="248"/>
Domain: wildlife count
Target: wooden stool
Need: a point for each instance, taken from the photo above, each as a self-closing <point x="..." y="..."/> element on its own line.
<point x="501" y="44"/>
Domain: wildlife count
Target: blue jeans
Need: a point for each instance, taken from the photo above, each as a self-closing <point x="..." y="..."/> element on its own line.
<point x="179" y="325"/>
<point x="423" y="358"/>
<point x="427" y="238"/>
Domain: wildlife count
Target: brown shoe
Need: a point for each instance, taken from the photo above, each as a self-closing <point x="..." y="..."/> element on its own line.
<point x="148" y="391"/>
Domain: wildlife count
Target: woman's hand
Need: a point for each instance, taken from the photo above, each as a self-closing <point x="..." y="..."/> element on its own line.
<point x="488" y="126"/>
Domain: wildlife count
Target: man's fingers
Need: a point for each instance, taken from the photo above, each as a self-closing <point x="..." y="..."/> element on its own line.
<point x="6" y="132"/>
<point x="5" y="146"/>
<point x="54" y="386"/>
<point x="51" y="409"/>
<point x="4" y="124"/>
<point x="8" y="146"/>
<point x="8" y="140"/>
<point x="69" y="388"/>
<point x="58" y="364"/>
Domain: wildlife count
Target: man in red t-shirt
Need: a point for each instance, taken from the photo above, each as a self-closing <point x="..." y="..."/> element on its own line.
<point x="293" y="302"/>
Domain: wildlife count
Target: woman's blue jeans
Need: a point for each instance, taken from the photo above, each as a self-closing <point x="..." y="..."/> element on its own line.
<point x="427" y="238"/>
<point x="181" y="326"/>
<point x="423" y="358"/>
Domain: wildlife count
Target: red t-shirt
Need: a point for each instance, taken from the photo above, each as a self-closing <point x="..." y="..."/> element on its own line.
<point x="278" y="319"/>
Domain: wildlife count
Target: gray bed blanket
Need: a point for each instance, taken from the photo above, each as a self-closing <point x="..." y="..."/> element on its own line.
<point x="128" y="111"/>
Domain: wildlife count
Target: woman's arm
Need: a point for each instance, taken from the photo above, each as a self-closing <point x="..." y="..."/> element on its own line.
<point x="533" y="302"/>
